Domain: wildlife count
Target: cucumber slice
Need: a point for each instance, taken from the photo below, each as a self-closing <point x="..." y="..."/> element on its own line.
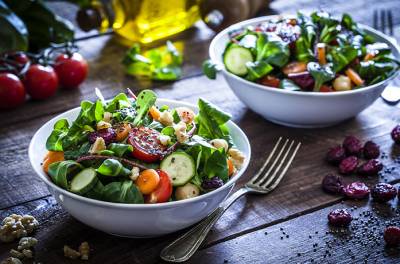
<point x="235" y="59"/>
<point x="179" y="166"/>
<point x="84" y="181"/>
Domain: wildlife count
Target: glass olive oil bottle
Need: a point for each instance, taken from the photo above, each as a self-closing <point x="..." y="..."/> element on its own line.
<point x="146" y="20"/>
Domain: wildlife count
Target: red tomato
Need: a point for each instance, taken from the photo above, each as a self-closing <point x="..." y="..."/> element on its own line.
<point x="163" y="191"/>
<point x="270" y="80"/>
<point x="21" y="58"/>
<point x="146" y="145"/>
<point x="41" y="81"/>
<point x="71" y="71"/>
<point x="12" y="91"/>
<point x="326" y="89"/>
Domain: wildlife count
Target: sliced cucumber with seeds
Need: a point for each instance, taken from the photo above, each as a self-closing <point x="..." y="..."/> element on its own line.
<point x="84" y="181"/>
<point x="235" y="59"/>
<point x="180" y="167"/>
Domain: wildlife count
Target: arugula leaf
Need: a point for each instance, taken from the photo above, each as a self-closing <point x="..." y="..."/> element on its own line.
<point x="120" y="149"/>
<point x="122" y="192"/>
<point x="54" y="141"/>
<point x="321" y="74"/>
<point x="75" y="154"/>
<point x="61" y="172"/>
<point x="114" y="168"/>
<point x="209" y="120"/>
<point x="144" y="101"/>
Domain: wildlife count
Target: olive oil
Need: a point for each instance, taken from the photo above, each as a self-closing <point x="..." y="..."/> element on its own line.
<point x="148" y="20"/>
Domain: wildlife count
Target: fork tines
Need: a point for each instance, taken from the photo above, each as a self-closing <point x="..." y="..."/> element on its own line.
<point x="383" y="21"/>
<point x="276" y="165"/>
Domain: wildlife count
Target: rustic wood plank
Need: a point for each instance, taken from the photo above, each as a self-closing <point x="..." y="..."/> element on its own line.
<point x="309" y="239"/>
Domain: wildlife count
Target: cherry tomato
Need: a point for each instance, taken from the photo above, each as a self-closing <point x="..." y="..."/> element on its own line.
<point x="41" y="81"/>
<point x="163" y="191"/>
<point x="270" y="81"/>
<point x="12" y="91"/>
<point x="71" y="70"/>
<point x="326" y="89"/>
<point x="21" y="58"/>
<point x="146" y="146"/>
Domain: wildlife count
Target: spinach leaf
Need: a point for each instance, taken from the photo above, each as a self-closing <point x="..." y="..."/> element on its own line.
<point x="122" y="192"/>
<point x="75" y="154"/>
<point x="114" y="168"/>
<point x="210" y="120"/>
<point x="308" y="30"/>
<point x="120" y="149"/>
<point x="13" y="30"/>
<point x="144" y="101"/>
<point x="96" y="192"/>
<point x="329" y="33"/>
<point x="342" y="56"/>
<point x="273" y="51"/>
<point x="54" y="141"/>
<point x="321" y="74"/>
<point x="289" y="85"/>
<point x="210" y="69"/>
<point x="125" y="114"/>
<point x="257" y="69"/>
<point x="89" y="115"/>
<point x="61" y="172"/>
<point x="370" y="70"/>
<point x="120" y="101"/>
<point x="303" y="50"/>
<point x="216" y="165"/>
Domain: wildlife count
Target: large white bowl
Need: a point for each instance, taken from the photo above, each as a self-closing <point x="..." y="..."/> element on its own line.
<point x="135" y="220"/>
<point x="296" y="108"/>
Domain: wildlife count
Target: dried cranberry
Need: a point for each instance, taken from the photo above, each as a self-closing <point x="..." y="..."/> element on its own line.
<point x="352" y="145"/>
<point x="371" y="167"/>
<point x="383" y="192"/>
<point x="212" y="183"/>
<point x="371" y="150"/>
<point x="335" y="155"/>
<point x="339" y="217"/>
<point x="302" y="79"/>
<point x="396" y="134"/>
<point x="392" y="235"/>
<point x="332" y="184"/>
<point x="108" y="134"/>
<point x="348" y="165"/>
<point x="356" y="190"/>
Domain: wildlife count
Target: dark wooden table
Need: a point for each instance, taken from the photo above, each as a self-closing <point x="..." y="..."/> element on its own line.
<point x="287" y="226"/>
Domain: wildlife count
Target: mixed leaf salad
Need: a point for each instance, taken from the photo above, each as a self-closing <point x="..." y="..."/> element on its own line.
<point x="131" y="151"/>
<point x="308" y="53"/>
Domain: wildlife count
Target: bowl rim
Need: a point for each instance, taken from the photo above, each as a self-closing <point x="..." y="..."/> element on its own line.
<point x="45" y="178"/>
<point x="212" y="54"/>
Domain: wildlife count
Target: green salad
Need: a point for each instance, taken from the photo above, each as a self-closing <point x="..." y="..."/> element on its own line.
<point x="131" y="151"/>
<point x="308" y="53"/>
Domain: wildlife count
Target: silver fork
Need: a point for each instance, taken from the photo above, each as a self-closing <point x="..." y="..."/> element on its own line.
<point x="264" y="182"/>
<point x="383" y="21"/>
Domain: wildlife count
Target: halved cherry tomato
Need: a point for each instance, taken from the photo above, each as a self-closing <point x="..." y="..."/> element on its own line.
<point x="163" y="191"/>
<point x="51" y="157"/>
<point x="146" y="145"/>
<point x="270" y="81"/>
<point x="148" y="181"/>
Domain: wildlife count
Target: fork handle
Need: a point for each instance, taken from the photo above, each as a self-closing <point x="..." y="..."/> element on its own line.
<point x="186" y="245"/>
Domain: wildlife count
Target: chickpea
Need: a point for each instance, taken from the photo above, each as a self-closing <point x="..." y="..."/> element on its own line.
<point x="187" y="191"/>
<point x="220" y="143"/>
<point x="186" y="114"/>
<point x="342" y="83"/>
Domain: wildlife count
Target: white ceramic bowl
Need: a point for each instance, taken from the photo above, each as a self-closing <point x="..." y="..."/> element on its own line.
<point x="296" y="108"/>
<point x="135" y="220"/>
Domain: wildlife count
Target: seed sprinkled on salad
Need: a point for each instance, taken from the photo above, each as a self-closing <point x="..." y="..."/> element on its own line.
<point x="132" y="151"/>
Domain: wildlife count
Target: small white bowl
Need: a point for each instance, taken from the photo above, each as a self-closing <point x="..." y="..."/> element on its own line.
<point x="297" y="108"/>
<point x="135" y="220"/>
